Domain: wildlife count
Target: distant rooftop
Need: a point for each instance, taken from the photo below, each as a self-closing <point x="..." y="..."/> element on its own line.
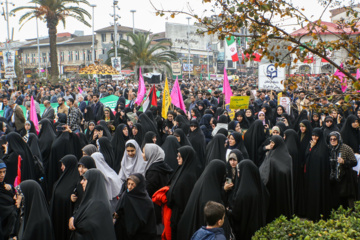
<point x="120" y="29"/>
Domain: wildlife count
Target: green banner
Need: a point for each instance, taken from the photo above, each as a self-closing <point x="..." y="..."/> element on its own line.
<point x="109" y="101"/>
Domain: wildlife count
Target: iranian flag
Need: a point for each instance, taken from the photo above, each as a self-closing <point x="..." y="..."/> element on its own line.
<point x="232" y="48"/>
<point x="151" y="100"/>
<point x="329" y="53"/>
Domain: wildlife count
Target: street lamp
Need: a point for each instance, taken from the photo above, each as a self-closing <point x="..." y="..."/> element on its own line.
<point x="93" y="38"/>
<point x="188" y="38"/>
<point x="133" y="13"/>
<point x="6" y="16"/>
<point x="115" y="25"/>
<point x="38" y="44"/>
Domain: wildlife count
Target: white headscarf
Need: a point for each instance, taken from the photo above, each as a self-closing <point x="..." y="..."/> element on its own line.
<point x="112" y="179"/>
<point x="153" y="154"/>
<point x="132" y="165"/>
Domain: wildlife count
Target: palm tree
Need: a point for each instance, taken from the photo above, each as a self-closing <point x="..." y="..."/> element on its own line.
<point x="52" y="12"/>
<point x="140" y="50"/>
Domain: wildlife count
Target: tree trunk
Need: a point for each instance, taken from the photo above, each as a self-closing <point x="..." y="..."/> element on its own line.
<point x="53" y="50"/>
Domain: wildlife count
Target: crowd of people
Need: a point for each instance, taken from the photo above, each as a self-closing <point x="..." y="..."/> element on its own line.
<point x="93" y="172"/>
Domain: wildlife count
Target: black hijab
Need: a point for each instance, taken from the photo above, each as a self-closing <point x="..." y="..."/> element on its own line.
<point x="118" y="144"/>
<point x="209" y="187"/>
<point x="107" y="132"/>
<point x="136" y="212"/>
<point x="16" y="147"/>
<point x="66" y="143"/>
<point x="317" y="179"/>
<point x="36" y="221"/>
<point x="244" y="124"/>
<point x="148" y="138"/>
<point x="89" y="114"/>
<point x="148" y="125"/>
<point x="276" y="174"/>
<point x="140" y="135"/>
<point x="33" y="143"/>
<point x="46" y="138"/>
<point x="60" y="207"/>
<point x="302" y="116"/>
<point x="106" y="149"/>
<point x="82" y="139"/>
<point x="250" y="201"/>
<point x="89" y="134"/>
<point x="350" y="135"/>
<point x="8" y="212"/>
<point x="253" y="139"/>
<point x="184" y="141"/>
<point x="95" y="206"/>
<point x="216" y="149"/>
<point x="198" y="142"/>
<point x="183" y="123"/>
<point x="239" y="144"/>
<point x="170" y="147"/>
<point x="292" y="143"/>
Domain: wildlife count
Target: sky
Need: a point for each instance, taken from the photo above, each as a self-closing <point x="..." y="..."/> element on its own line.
<point x="145" y="17"/>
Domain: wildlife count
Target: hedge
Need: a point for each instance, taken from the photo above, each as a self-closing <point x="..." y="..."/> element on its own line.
<point x="342" y="224"/>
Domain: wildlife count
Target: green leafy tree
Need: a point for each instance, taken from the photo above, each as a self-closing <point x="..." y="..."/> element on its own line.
<point x="140" y="50"/>
<point x="52" y="12"/>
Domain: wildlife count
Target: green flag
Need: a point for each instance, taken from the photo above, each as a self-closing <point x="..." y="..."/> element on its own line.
<point x="200" y="76"/>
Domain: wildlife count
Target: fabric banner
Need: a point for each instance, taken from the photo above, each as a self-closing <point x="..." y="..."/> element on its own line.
<point x="232" y="48"/>
<point x="166" y="101"/>
<point x="109" y="101"/>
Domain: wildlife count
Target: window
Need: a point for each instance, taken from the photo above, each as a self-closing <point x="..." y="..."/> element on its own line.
<point x="112" y="37"/>
<point x="43" y="58"/>
<point x="61" y="56"/>
<point x="84" y="55"/>
<point x="103" y="37"/>
<point x="71" y="56"/>
<point x="77" y="57"/>
<point x="49" y="60"/>
<point x="230" y="64"/>
<point x="120" y="36"/>
<point x="27" y="58"/>
<point x="89" y="56"/>
<point x="32" y="58"/>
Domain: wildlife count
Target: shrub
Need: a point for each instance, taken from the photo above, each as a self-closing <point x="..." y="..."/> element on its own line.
<point x="342" y="224"/>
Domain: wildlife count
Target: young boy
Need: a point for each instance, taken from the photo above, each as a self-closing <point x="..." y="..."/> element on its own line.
<point x="214" y="215"/>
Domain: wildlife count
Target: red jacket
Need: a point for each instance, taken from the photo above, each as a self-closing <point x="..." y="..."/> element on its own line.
<point x="160" y="199"/>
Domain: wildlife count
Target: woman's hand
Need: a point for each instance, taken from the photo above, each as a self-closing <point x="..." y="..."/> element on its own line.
<point x="228" y="186"/>
<point x="73" y="198"/>
<point x="312" y="143"/>
<point x="71" y="224"/>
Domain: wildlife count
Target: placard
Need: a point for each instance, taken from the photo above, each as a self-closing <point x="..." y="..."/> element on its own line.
<point x="271" y="78"/>
<point x="239" y="102"/>
<point x="116" y="63"/>
<point x="9" y="64"/>
<point x="117" y="77"/>
<point x="286" y="103"/>
<point x="176" y="68"/>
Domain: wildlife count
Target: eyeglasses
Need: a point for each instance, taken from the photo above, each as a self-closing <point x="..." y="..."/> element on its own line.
<point x="333" y="139"/>
<point x="329" y="121"/>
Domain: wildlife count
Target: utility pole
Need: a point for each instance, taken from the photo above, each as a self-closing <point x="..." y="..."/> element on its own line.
<point x="115" y="26"/>
<point x="133" y="13"/>
<point x="7" y="42"/>
<point x="188" y="38"/>
<point x="93" y="37"/>
<point x="38" y="44"/>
